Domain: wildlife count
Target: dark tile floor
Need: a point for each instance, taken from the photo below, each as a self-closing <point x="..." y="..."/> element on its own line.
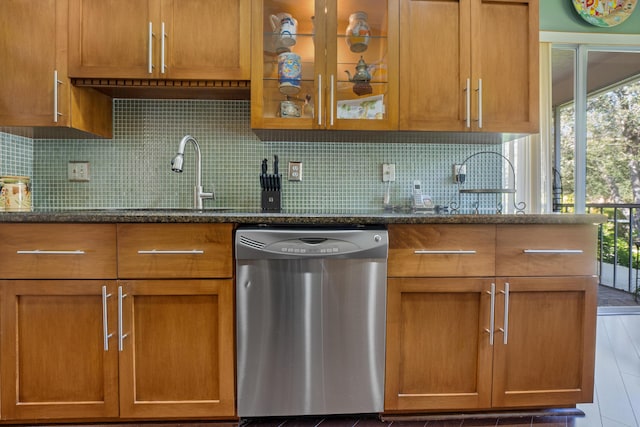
<point x="374" y="421"/>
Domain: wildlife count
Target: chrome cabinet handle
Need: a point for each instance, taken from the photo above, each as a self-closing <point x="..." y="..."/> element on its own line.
<point x="468" y="99"/>
<point x="505" y="328"/>
<point x="56" y="82"/>
<point x="479" y="103"/>
<point x="105" y="321"/>
<point x="171" y="252"/>
<point x="150" y="47"/>
<point x="319" y="99"/>
<point x="162" y="62"/>
<point x="332" y="98"/>
<point x="444" y="252"/>
<point x="492" y="312"/>
<point x="41" y="252"/>
<point x="121" y="334"/>
<point x="552" y="251"/>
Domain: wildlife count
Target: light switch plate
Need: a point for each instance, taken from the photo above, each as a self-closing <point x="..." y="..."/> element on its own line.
<point x="78" y="171"/>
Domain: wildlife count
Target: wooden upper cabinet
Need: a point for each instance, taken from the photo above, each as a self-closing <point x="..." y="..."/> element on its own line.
<point x="35" y="89"/>
<point x="160" y="39"/>
<point x="21" y="30"/>
<point x="469" y="65"/>
<point x="208" y="39"/>
<point x="327" y="98"/>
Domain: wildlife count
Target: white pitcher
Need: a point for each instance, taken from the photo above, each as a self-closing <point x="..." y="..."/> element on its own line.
<point x="285" y="28"/>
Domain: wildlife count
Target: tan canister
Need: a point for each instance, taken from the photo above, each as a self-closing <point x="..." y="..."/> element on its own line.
<point x="15" y="195"/>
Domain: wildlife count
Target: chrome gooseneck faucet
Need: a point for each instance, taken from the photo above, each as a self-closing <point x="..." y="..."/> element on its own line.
<point x="176" y="166"/>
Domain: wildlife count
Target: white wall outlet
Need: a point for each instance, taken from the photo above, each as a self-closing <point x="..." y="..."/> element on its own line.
<point x="78" y="171"/>
<point x="459" y="173"/>
<point x="295" y="171"/>
<point x="388" y="172"/>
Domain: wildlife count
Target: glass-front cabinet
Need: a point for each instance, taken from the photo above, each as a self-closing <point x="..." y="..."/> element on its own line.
<point x="325" y="64"/>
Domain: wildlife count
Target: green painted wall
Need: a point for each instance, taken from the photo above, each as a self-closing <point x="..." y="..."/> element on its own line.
<point x="559" y="15"/>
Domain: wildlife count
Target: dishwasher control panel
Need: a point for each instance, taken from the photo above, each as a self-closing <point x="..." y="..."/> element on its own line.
<point x="252" y="243"/>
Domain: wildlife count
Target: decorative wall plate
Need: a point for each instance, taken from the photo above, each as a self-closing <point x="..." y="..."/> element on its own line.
<point x="604" y="13"/>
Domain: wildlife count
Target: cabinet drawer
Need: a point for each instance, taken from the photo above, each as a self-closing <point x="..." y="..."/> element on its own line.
<point x="175" y="250"/>
<point x="546" y="250"/>
<point x="442" y="250"/>
<point x="58" y="251"/>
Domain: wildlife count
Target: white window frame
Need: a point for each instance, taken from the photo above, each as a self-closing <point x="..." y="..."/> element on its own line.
<point x="583" y="43"/>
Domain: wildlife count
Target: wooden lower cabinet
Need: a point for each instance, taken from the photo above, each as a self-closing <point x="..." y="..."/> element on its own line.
<point x="440" y="354"/>
<point x="177" y="355"/>
<point x="545" y="340"/>
<point x="77" y="343"/>
<point x="54" y="361"/>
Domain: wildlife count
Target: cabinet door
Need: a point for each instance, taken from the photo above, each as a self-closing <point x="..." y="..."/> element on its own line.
<point x="326" y="97"/>
<point x="354" y="104"/>
<point x="114" y="38"/>
<point x="177" y="357"/>
<point x="207" y="39"/>
<point x="435" y="65"/>
<point x="546" y="354"/>
<point x="30" y="34"/>
<point x="438" y="353"/>
<point x="57" y="360"/>
<point x="505" y="63"/>
<point x="266" y="46"/>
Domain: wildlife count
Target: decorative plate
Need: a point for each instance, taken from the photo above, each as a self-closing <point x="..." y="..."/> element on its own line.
<point x="604" y="13"/>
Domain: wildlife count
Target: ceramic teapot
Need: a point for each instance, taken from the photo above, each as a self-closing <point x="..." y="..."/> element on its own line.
<point x="362" y="72"/>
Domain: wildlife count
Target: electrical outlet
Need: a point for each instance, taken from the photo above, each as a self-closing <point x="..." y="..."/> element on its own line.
<point x="78" y="171"/>
<point x="388" y="172"/>
<point x="295" y="171"/>
<point x="459" y="173"/>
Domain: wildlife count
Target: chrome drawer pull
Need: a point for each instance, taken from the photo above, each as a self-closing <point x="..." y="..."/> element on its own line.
<point x="105" y="321"/>
<point x="445" y="252"/>
<point x="39" y="252"/>
<point x="552" y="251"/>
<point x="171" y="252"/>
<point x="505" y="329"/>
<point x="492" y="313"/>
<point x="121" y="334"/>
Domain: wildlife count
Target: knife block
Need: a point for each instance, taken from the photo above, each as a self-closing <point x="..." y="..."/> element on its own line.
<point x="271" y="201"/>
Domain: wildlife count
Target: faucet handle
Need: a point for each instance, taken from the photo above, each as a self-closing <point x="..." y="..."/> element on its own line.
<point x="207" y="195"/>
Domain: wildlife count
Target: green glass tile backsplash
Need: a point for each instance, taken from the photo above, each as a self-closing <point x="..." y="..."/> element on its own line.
<point x="132" y="170"/>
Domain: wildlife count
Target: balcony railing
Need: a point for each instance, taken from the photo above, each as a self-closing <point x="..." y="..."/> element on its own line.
<point x="618" y="244"/>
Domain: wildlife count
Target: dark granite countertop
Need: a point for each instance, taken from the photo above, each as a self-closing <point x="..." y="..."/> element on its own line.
<point x="229" y="215"/>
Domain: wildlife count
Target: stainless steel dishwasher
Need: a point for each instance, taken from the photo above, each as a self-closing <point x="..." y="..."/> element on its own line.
<point x="310" y="320"/>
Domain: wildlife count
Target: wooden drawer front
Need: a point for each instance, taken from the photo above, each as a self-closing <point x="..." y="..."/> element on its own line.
<point x="447" y="250"/>
<point x="58" y="251"/>
<point x="546" y="250"/>
<point x="175" y="250"/>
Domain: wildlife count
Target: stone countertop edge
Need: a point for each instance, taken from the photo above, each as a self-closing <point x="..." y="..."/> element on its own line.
<point x="204" y="216"/>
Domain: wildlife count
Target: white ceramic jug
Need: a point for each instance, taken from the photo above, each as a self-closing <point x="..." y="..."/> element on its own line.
<point x="284" y="28"/>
